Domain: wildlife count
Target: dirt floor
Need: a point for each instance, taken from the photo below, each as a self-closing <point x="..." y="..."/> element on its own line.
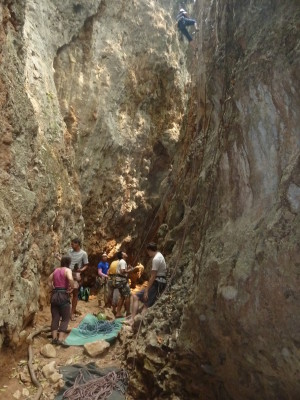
<point x="14" y="374"/>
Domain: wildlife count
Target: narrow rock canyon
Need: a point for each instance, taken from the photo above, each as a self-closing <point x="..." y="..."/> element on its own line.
<point x="114" y="129"/>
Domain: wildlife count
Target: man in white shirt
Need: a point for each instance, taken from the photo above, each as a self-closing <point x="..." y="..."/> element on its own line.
<point x="156" y="284"/>
<point x="121" y="283"/>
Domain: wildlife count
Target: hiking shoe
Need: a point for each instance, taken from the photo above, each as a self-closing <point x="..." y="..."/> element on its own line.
<point x="62" y="343"/>
<point x="54" y="341"/>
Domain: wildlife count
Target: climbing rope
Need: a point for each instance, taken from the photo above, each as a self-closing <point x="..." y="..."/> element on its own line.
<point x="172" y="185"/>
<point x="30" y="359"/>
<point x="152" y="223"/>
<point x="95" y="388"/>
<point x="93" y="329"/>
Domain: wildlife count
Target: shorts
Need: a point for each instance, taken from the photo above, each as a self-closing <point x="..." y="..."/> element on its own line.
<point x="125" y="290"/>
<point x="154" y="293"/>
<point x="60" y="298"/>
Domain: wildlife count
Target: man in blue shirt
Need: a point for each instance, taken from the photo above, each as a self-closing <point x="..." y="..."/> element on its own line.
<point x="103" y="268"/>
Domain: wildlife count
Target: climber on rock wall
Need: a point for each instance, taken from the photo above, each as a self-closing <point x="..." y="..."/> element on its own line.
<point x="183" y="21"/>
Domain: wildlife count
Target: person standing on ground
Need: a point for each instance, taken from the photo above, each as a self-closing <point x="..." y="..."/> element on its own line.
<point x="78" y="256"/>
<point x="113" y="293"/>
<point x="77" y="279"/>
<point x="61" y="283"/>
<point x="156" y="284"/>
<point x="183" y="21"/>
<point x="121" y="283"/>
<point x="103" y="268"/>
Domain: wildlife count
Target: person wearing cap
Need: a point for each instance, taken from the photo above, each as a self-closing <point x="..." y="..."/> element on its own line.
<point x="103" y="268"/>
<point x="183" y="21"/>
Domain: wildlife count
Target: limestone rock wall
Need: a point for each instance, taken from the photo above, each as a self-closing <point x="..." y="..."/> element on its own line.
<point x="91" y="113"/>
<point x="40" y="200"/>
<point x="39" y="194"/>
<point x="229" y="326"/>
<point x="121" y="93"/>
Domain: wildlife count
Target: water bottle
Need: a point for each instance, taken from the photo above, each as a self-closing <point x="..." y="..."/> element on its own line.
<point x="81" y="291"/>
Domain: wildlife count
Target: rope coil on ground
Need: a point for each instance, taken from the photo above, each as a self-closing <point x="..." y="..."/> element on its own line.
<point x="97" y="327"/>
<point x="97" y="388"/>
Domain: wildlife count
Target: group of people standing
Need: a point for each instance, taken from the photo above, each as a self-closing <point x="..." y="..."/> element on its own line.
<point x="65" y="281"/>
<point x="117" y="280"/>
<point x="114" y="282"/>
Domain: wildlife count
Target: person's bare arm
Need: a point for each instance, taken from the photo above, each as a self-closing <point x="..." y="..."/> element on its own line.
<point x="84" y="268"/>
<point x="57" y="256"/>
<point x="50" y="281"/>
<point x="100" y="273"/>
<point x="70" y="277"/>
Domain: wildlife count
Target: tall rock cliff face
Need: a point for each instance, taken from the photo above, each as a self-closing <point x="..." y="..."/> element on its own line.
<point x="111" y="130"/>
<point x="39" y="194"/>
<point x="229" y="327"/>
<point x="121" y="93"/>
<point x="92" y="97"/>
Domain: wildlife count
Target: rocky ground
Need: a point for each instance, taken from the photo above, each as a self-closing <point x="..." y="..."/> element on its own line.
<point x="15" y="382"/>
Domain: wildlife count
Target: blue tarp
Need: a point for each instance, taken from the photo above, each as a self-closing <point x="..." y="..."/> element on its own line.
<point x="91" y="329"/>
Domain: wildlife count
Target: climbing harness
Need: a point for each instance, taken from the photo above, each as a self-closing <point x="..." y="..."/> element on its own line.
<point x="96" y="388"/>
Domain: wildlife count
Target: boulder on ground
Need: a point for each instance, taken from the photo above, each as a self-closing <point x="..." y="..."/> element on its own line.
<point x="48" y="351"/>
<point x="96" y="348"/>
<point x="109" y="314"/>
<point x="17" y="395"/>
<point x="25" y="392"/>
<point x="55" y="377"/>
<point x="49" y="369"/>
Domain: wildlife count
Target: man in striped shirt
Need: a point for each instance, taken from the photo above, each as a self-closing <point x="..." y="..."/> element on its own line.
<point x="78" y="256"/>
